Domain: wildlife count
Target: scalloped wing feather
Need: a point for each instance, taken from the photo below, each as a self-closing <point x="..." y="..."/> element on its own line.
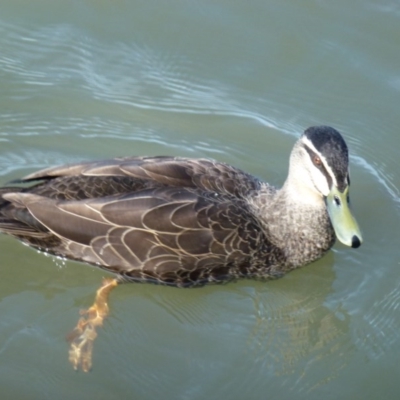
<point x="161" y="171"/>
<point x="164" y="234"/>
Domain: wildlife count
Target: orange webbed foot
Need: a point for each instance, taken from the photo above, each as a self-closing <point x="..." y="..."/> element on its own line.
<point x="84" y="334"/>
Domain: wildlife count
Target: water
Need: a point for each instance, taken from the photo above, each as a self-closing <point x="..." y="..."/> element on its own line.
<point x="236" y="81"/>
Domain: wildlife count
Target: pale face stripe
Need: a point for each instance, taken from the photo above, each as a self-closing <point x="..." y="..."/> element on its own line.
<point x="324" y="167"/>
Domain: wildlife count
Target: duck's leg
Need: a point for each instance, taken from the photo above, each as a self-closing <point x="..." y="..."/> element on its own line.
<point x="82" y="337"/>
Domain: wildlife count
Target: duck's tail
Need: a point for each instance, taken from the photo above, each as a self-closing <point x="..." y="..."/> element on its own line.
<point x="5" y="190"/>
<point x="15" y="220"/>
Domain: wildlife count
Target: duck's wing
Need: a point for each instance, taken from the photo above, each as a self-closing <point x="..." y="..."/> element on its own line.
<point x="203" y="174"/>
<point x="168" y="235"/>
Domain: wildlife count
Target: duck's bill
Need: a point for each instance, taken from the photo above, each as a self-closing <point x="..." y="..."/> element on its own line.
<point x="344" y="224"/>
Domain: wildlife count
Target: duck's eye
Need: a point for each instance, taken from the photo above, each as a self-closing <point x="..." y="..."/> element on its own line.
<point x="337" y="200"/>
<point x="317" y="161"/>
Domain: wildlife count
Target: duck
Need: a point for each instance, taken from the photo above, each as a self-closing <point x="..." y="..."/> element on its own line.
<point x="183" y="222"/>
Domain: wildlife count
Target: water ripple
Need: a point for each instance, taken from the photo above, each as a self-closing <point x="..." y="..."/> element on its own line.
<point x="66" y="55"/>
<point x="58" y="55"/>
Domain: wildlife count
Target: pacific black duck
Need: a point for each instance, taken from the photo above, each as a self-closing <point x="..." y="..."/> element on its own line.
<point x="183" y="222"/>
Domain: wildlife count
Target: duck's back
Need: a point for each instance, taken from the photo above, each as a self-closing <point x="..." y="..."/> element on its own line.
<point x="168" y="220"/>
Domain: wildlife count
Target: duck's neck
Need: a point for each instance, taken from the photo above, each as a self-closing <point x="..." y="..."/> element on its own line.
<point x="295" y="220"/>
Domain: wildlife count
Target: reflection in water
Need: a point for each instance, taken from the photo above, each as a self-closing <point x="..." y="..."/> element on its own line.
<point x="293" y="323"/>
<point x="277" y="324"/>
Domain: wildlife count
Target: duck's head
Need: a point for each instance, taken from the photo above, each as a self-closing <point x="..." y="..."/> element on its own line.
<point x="319" y="169"/>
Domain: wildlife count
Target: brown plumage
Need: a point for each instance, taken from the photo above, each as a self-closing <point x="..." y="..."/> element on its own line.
<point x="166" y="220"/>
<point x="183" y="222"/>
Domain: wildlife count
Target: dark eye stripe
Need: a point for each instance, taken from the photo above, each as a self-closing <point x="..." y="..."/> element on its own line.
<point x="321" y="166"/>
